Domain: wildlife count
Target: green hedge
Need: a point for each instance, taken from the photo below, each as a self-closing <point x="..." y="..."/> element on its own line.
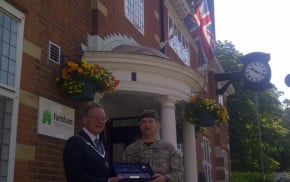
<point x="250" y="177"/>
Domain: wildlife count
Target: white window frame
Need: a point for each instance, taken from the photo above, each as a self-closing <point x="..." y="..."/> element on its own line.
<point x="203" y="70"/>
<point x="14" y="93"/>
<point x="178" y="42"/>
<point x="221" y="99"/>
<point x="224" y="153"/>
<point x="1" y="84"/>
<point x="136" y="17"/>
<point x="207" y="159"/>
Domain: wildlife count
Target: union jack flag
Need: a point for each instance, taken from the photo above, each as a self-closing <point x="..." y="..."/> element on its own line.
<point x="199" y="24"/>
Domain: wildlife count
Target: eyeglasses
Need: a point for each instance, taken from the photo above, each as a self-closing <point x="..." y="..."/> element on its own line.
<point x="97" y="118"/>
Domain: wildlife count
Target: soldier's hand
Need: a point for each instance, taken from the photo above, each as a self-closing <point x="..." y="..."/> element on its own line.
<point x="115" y="179"/>
<point x="158" y="178"/>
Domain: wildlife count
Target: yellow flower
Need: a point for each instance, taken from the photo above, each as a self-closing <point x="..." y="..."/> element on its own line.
<point x="211" y="106"/>
<point x="72" y="65"/>
<point x="193" y="99"/>
<point x="65" y="74"/>
<point x="75" y="73"/>
<point x="80" y="70"/>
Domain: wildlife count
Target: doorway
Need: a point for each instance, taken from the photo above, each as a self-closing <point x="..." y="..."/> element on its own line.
<point x="120" y="133"/>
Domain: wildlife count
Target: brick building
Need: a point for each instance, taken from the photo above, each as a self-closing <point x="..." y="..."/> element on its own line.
<point x="145" y="45"/>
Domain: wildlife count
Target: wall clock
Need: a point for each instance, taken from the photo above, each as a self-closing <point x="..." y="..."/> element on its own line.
<point x="257" y="72"/>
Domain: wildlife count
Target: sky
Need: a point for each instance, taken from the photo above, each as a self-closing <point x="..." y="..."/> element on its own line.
<point x="258" y="26"/>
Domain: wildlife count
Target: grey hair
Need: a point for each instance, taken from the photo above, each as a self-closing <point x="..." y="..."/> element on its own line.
<point x="94" y="104"/>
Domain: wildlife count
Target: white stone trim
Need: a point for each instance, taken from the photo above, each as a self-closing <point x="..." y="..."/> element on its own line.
<point x="190" y="164"/>
<point x="168" y="121"/>
<point x="109" y="42"/>
<point x="154" y="74"/>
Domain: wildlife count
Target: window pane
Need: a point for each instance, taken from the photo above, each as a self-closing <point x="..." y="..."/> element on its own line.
<point x="1" y="32"/>
<point x="179" y="36"/>
<point x="139" y="14"/>
<point x="1" y="18"/>
<point x="6" y="35"/>
<point x="5" y="152"/>
<point x="209" y="175"/>
<point x="3" y="77"/>
<point x="7" y="119"/>
<point x="8" y="107"/>
<point x="129" y="8"/>
<point x="11" y="79"/>
<point x="5" y="49"/>
<point x="5" y="113"/>
<point x="14" y="26"/>
<point x="12" y="53"/>
<point x="3" y="179"/>
<point x="6" y="137"/>
<point x="206" y="174"/>
<point x="13" y="39"/>
<point x="7" y="21"/>
<point x="3" y="168"/>
<point x="175" y="29"/>
<point x="4" y="63"/>
<point x="183" y="42"/>
<point x="11" y="67"/>
<point x="170" y="23"/>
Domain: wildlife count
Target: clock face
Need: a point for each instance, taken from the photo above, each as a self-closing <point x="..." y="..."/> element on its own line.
<point x="256" y="71"/>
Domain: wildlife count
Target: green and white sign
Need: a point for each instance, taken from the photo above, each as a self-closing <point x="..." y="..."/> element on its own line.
<point x="55" y="120"/>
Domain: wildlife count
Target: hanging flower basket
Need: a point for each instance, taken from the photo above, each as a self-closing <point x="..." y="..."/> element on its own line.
<point x="205" y="119"/>
<point x="81" y="80"/>
<point x="88" y="93"/>
<point x="205" y="112"/>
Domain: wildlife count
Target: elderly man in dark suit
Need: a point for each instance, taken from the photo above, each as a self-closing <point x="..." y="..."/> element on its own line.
<point x="84" y="156"/>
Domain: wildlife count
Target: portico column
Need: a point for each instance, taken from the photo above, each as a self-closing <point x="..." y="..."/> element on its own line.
<point x="168" y="121"/>
<point x="190" y="164"/>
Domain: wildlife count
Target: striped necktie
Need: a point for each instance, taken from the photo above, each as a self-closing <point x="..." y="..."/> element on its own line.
<point x="99" y="146"/>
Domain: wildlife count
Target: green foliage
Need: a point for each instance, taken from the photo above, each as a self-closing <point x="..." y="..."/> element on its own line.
<point x="274" y="118"/>
<point x="228" y="55"/>
<point x="250" y="177"/>
<point x="284" y="156"/>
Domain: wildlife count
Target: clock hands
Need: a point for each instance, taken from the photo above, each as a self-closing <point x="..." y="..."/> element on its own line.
<point x="259" y="72"/>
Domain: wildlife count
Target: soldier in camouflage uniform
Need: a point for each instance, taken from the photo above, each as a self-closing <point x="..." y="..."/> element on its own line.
<point x="161" y="155"/>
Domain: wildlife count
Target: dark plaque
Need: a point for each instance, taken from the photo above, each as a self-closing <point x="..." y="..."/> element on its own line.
<point x="137" y="172"/>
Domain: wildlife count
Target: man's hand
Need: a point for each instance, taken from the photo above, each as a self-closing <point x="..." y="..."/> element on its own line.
<point x="158" y="178"/>
<point x="115" y="179"/>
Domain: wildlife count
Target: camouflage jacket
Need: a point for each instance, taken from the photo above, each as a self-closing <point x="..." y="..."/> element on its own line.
<point x="161" y="156"/>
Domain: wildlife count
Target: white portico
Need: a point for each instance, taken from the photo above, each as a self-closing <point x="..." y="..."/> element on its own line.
<point x="149" y="79"/>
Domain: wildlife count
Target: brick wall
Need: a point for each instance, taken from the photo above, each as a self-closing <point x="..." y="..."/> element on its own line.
<point x="66" y="23"/>
<point x="114" y="21"/>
